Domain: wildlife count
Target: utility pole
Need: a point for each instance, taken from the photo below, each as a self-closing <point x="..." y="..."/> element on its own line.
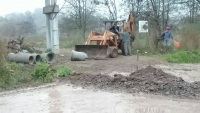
<point x="52" y="38"/>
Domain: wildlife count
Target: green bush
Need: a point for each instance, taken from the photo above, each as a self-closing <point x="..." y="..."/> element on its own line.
<point x="5" y="77"/>
<point x="19" y="73"/>
<point x="63" y="71"/>
<point x="183" y="57"/>
<point x="42" y="71"/>
<point x="13" y="75"/>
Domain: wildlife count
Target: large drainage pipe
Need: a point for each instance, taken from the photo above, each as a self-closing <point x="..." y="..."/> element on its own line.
<point x="78" y="56"/>
<point x="21" y="58"/>
<point x="37" y="58"/>
<point x="49" y="57"/>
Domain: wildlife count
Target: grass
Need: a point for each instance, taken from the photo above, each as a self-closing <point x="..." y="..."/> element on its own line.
<point x="72" y="38"/>
<point x="183" y="57"/>
<point x="63" y="71"/>
<point x="42" y="71"/>
<point x="14" y="75"/>
<point x="67" y="40"/>
<point x="189" y="52"/>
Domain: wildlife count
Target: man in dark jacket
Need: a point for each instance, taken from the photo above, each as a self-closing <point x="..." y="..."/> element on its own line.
<point x="166" y="35"/>
<point x="115" y="29"/>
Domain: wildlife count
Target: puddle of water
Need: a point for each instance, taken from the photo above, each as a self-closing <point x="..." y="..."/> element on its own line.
<point x="186" y="71"/>
<point x="66" y="99"/>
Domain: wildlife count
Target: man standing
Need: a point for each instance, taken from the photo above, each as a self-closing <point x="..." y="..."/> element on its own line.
<point x="126" y="41"/>
<point x="166" y="35"/>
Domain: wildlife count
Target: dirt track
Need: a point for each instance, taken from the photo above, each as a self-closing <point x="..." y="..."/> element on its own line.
<point x="127" y="64"/>
<point x="71" y="99"/>
<point x="121" y="64"/>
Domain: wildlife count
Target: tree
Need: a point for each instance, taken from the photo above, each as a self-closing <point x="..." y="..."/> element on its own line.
<point x="15" y="24"/>
<point x="80" y="13"/>
<point x="39" y="20"/>
<point x="110" y="5"/>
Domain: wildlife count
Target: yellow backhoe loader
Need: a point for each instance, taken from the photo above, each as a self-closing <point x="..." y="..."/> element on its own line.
<point x="107" y="44"/>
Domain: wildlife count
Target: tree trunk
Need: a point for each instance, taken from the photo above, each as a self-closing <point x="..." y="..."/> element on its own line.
<point x="79" y="13"/>
<point x="163" y="15"/>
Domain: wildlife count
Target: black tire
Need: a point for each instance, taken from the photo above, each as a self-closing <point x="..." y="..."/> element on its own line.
<point x="113" y="53"/>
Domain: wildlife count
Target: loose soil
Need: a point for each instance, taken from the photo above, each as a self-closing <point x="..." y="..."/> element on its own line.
<point x="70" y="99"/>
<point x="148" y="80"/>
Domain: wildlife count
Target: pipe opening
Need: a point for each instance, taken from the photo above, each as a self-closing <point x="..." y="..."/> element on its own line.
<point x="31" y="60"/>
<point x="38" y="58"/>
<point x="50" y="57"/>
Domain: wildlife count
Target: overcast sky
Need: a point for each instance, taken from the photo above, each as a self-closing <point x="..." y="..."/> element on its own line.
<point x="9" y="6"/>
<point x="21" y="6"/>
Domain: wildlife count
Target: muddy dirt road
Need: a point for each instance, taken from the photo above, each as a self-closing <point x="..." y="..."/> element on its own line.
<point x="67" y="99"/>
<point x="70" y="99"/>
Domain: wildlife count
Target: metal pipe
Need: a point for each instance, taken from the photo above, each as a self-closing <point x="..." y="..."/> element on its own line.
<point x="21" y="58"/>
<point x="137" y="59"/>
<point x="49" y="57"/>
<point x="48" y="32"/>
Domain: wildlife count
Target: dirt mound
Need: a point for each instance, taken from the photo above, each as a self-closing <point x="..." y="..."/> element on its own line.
<point x="152" y="80"/>
<point x="148" y="80"/>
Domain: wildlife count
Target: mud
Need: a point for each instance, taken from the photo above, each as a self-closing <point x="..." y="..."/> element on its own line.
<point x="69" y="99"/>
<point x="148" y="80"/>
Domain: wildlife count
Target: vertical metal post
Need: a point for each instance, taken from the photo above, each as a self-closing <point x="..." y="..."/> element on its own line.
<point x="52" y="28"/>
<point x="137" y="60"/>
<point x="48" y="33"/>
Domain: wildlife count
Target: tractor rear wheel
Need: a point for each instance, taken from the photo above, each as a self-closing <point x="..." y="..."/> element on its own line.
<point x="113" y="52"/>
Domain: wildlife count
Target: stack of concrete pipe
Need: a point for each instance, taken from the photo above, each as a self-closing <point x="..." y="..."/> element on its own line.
<point x="29" y="58"/>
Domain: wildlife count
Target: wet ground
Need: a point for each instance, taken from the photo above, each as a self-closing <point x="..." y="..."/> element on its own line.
<point x="70" y="99"/>
<point x="67" y="99"/>
<point x="149" y="80"/>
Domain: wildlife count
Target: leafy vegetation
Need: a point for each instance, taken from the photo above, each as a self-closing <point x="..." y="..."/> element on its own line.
<point x="63" y="71"/>
<point x="14" y="75"/>
<point x="183" y="57"/>
<point x="42" y="71"/>
<point x="5" y="75"/>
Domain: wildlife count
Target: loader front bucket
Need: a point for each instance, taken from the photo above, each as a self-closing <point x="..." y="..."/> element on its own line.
<point x="93" y="51"/>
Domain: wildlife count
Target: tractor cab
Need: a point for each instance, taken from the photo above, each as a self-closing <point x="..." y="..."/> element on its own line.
<point x="110" y="23"/>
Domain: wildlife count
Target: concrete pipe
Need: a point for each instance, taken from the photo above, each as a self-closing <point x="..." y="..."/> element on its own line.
<point x="78" y="56"/>
<point x="21" y="58"/>
<point x="49" y="57"/>
<point x="37" y="58"/>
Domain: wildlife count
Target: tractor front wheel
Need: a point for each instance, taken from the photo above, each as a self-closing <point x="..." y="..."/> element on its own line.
<point x="113" y="52"/>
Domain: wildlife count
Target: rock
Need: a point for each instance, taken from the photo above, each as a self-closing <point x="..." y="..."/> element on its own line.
<point x="123" y="79"/>
<point x="167" y="93"/>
